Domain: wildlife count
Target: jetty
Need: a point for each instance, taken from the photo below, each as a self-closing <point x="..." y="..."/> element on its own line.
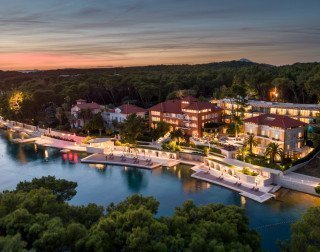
<point x="120" y="160"/>
<point x="249" y="191"/>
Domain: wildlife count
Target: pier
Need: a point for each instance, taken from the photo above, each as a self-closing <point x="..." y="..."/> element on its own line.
<point x="118" y="160"/>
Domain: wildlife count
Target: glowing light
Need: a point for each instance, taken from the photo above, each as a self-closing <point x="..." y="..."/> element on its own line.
<point x="46" y="155"/>
<point x="15" y="101"/>
<point x="243" y="201"/>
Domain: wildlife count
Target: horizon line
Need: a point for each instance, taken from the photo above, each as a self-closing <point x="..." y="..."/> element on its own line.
<point x="150" y="65"/>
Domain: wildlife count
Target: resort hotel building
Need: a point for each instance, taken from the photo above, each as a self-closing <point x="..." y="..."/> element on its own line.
<point x="188" y="114"/>
<point x="289" y="133"/>
<point x="306" y="113"/>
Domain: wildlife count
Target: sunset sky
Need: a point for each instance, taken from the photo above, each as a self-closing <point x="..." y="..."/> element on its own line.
<point x="49" y="34"/>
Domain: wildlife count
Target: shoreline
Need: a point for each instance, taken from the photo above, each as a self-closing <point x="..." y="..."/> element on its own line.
<point x="197" y="166"/>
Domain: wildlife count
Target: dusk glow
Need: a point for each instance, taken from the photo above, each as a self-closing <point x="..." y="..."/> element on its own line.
<point x="39" y="34"/>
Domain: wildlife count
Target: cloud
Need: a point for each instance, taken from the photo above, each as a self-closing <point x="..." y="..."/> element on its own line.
<point x="132" y="32"/>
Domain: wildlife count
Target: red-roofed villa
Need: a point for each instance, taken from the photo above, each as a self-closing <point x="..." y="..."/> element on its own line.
<point x="189" y="114"/>
<point x="289" y="133"/>
<point x="82" y="105"/>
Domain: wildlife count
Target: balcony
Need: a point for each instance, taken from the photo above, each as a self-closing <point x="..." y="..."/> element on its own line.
<point x="264" y="136"/>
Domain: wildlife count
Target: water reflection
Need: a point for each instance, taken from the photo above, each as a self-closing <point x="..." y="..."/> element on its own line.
<point x="135" y="178"/>
<point x="287" y="199"/>
<point x="243" y="201"/>
<point x="21" y="155"/>
<point x="46" y="155"/>
<point x="183" y="173"/>
<point x="71" y="157"/>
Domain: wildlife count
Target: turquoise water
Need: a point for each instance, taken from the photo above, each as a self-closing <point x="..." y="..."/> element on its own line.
<point x="171" y="186"/>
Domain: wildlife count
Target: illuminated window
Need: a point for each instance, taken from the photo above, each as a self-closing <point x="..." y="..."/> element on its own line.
<point x="155" y="113"/>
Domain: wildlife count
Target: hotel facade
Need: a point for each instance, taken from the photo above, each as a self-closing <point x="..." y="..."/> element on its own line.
<point x="306" y="113"/>
<point x="188" y="114"/>
<point x="283" y="130"/>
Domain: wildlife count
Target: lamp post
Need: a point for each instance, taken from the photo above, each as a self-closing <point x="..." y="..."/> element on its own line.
<point x="209" y="138"/>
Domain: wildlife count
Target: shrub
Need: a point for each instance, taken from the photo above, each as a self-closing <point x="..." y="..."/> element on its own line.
<point x="60" y="138"/>
<point x="247" y="171"/>
<point x="206" y="151"/>
<point x="171" y="146"/>
<point x="117" y="143"/>
<point x="87" y="139"/>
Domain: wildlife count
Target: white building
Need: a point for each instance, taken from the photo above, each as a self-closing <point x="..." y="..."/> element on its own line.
<point x="306" y="113"/>
<point x="121" y="113"/>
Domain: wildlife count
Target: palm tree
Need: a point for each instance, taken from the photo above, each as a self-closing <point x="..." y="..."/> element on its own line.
<point x="85" y="115"/>
<point x="250" y="141"/>
<point x="273" y="150"/>
<point x="176" y="135"/>
<point x="242" y="152"/>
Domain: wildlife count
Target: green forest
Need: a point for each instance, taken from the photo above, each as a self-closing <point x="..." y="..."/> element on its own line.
<point x="144" y="86"/>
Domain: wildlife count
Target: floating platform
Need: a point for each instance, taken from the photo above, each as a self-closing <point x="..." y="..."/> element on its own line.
<point x="245" y="191"/>
<point x="116" y="160"/>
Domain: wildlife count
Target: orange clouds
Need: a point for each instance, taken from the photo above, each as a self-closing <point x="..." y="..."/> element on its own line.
<point x="14" y="61"/>
<point x="45" y="61"/>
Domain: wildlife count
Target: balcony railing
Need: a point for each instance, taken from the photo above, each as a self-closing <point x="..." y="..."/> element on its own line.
<point x="265" y="136"/>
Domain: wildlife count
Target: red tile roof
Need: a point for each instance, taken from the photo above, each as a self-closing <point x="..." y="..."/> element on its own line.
<point x="91" y="105"/>
<point x="200" y="105"/>
<point x="169" y="106"/>
<point x="272" y="120"/>
<point x="175" y="106"/>
<point x="131" y="109"/>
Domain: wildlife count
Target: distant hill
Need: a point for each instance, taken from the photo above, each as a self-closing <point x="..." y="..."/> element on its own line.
<point x="245" y="60"/>
<point x="72" y="71"/>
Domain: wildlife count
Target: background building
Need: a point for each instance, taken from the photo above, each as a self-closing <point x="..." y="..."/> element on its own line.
<point x="82" y="108"/>
<point x="119" y="114"/>
<point x="306" y="113"/>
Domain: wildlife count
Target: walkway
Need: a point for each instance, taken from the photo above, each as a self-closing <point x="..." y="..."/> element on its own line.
<point x="301" y="178"/>
<point x="60" y="144"/>
<point x="123" y="161"/>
